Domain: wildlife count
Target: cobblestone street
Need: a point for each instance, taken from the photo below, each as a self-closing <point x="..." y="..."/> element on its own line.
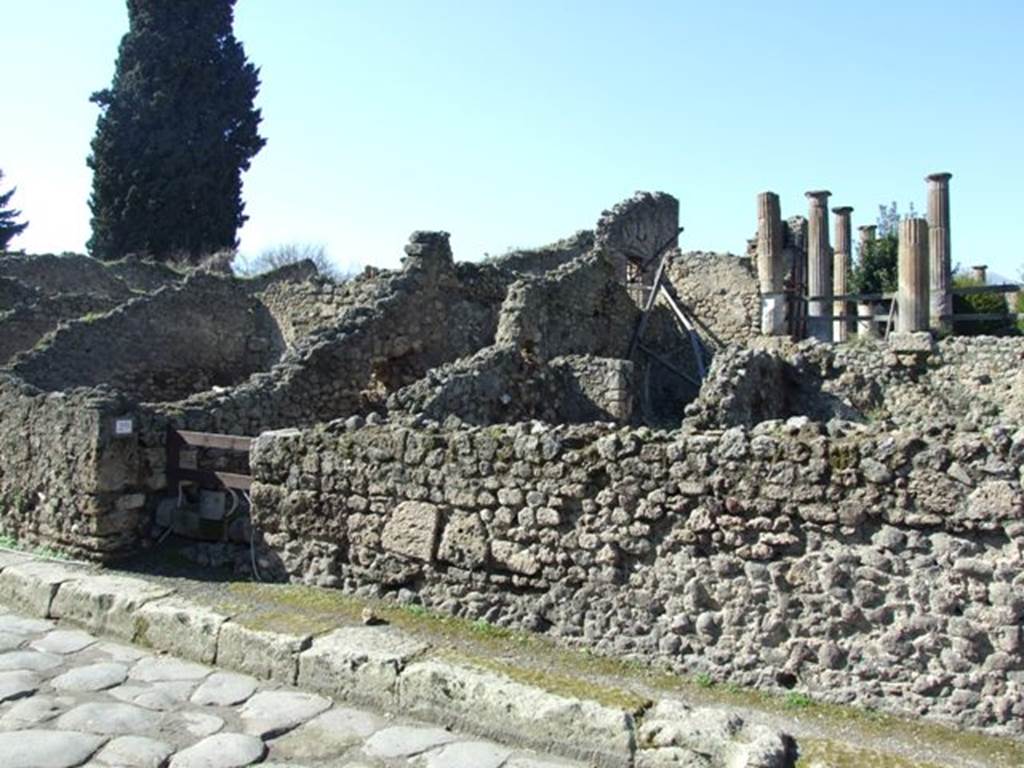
<point x="68" y="698"/>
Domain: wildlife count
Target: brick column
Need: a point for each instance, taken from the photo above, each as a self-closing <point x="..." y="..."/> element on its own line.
<point x="819" y="266"/>
<point x="841" y="270"/>
<point x="938" y="244"/>
<point x="914" y="286"/>
<point x="771" y="266"/>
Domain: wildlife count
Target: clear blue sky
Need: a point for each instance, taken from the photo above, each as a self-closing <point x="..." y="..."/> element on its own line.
<point x="513" y="124"/>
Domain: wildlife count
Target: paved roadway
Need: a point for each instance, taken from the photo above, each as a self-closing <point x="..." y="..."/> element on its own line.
<point x="70" y="699"/>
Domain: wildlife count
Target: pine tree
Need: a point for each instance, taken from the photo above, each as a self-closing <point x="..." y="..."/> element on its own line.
<point x="9" y="228"/>
<point x="176" y="130"/>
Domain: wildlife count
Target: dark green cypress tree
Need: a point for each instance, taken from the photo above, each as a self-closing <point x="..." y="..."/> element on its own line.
<point x="176" y="130"/>
<point x="9" y="228"/>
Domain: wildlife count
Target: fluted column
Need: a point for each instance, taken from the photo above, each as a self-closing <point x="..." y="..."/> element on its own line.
<point x="819" y="266"/>
<point x="914" y="285"/>
<point x="841" y="269"/>
<point x="771" y="267"/>
<point x="941" y="264"/>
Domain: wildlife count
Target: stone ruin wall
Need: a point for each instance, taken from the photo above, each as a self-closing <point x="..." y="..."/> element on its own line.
<point x="38" y="293"/>
<point x="66" y="479"/>
<point x="870" y="556"/>
<point x="862" y="565"/>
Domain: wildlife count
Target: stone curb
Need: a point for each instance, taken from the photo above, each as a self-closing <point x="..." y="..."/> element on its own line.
<point x="376" y="666"/>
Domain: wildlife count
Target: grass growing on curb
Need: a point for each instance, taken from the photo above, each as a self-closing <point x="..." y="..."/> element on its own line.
<point x="818" y="752"/>
<point x="9" y="542"/>
<point x="627" y="684"/>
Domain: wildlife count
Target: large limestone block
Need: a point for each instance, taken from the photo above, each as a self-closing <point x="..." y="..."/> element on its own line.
<point x="492" y="705"/>
<point x="672" y="733"/>
<point x="31" y="586"/>
<point x="105" y="604"/>
<point x="464" y="542"/>
<point x="358" y="663"/>
<point x="180" y="627"/>
<point x="412" y="530"/>
<point x="263" y="654"/>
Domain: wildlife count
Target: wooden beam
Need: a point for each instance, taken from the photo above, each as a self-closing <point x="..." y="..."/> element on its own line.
<point x="674" y="368"/>
<point x="211" y="440"/>
<point x="691" y="331"/>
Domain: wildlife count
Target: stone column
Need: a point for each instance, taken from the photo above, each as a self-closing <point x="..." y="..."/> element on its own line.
<point x="771" y="265"/>
<point x="819" y="266"/>
<point x="841" y="270"/>
<point x="938" y="244"/>
<point x="867" y="234"/>
<point x="867" y="328"/>
<point x="914" y="286"/>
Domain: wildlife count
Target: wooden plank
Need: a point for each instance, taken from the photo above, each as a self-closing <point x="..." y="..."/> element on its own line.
<point x="1009" y="316"/>
<point x="969" y="290"/>
<point x="691" y="331"/>
<point x="212" y="440"/>
<point x="645" y="314"/>
<point x="211" y="477"/>
<point x="851" y="297"/>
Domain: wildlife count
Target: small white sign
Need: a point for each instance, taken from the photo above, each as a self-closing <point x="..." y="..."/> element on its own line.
<point x="123" y="427"/>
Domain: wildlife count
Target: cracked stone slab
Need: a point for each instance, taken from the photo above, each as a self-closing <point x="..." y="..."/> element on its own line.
<point x="125" y="654"/>
<point x="479" y="754"/>
<point x="47" y="749"/>
<point x="159" y="697"/>
<point x="134" y="752"/>
<point x="10" y="641"/>
<point x="18" y="625"/>
<point x="30" y="587"/>
<point x="91" y="677"/>
<point x="63" y="641"/>
<point x="328" y="735"/>
<point x="110" y="719"/>
<point x="406" y="741"/>
<point x="359" y="664"/>
<point x="155" y="669"/>
<point x="224" y="689"/>
<point x="104" y="604"/>
<point x="33" y="661"/>
<point x="30" y="712"/>
<point x="200" y="724"/>
<point x="180" y="627"/>
<point x="266" y="655"/>
<point x="225" y="750"/>
<point x="495" y="706"/>
<point x="272" y="713"/>
<point x="17" y="685"/>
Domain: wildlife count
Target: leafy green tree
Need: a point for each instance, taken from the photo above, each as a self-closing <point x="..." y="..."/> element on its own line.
<point x="177" y="128"/>
<point x="9" y="228"/>
<point x="980" y="304"/>
<point x="878" y="261"/>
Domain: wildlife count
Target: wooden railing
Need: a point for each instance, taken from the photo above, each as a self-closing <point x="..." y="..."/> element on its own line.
<point x="179" y="439"/>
